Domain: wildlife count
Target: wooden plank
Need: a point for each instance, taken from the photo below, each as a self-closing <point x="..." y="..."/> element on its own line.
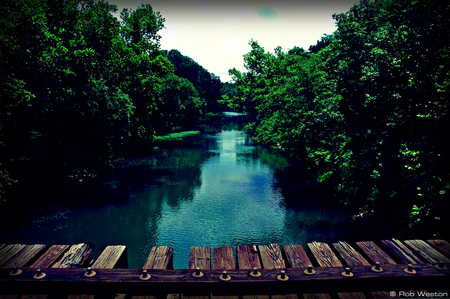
<point x="296" y="256"/>
<point x="112" y="257"/>
<point x="403" y="253"/>
<point x="50" y="256"/>
<point x="223" y="258"/>
<point x="375" y="253"/>
<point x="159" y="258"/>
<point x="326" y="258"/>
<point x="426" y="251"/>
<point x="271" y="257"/>
<point x="247" y="257"/>
<point x="350" y="255"/>
<point x="9" y="251"/>
<point x="381" y="294"/>
<point x="316" y="296"/>
<point x="352" y="258"/>
<point x="200" y="257"/>
<point x="442" y="245"/>
<point x="75" y="256"/>
<point x="289" y="296"/>
<point x="352" y="295"/>
<point x="324" y="255"/>
<point x="25" y="256"/>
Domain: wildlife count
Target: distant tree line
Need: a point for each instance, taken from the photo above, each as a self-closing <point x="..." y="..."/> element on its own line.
<point x="80" y="89"/>
<point x="368" y="107"/>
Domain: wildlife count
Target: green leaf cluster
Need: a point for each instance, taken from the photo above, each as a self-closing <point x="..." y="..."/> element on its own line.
<point x="367" y="107"/>
<point x="80" y="89"/>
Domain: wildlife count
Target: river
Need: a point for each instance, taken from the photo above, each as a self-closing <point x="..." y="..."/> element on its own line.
<point x="217" y="189"/>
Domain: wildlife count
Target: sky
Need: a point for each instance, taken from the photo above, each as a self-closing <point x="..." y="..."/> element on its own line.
<point x="216" y="34"/>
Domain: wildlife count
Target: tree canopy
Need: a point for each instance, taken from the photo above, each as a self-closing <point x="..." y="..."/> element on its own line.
<point x="80" y="89"/>
<point x="367" y="107"/>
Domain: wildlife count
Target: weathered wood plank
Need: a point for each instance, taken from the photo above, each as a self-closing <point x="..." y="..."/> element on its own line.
<point x="403" y="253"/>
<point x="76" y="256"/>
<point x="289" y="296"/>
<point x="352" y="258"/>
<point x="271" y="257"/>
<point x="112" y="257"/>
<point x="50" y="256"/>
<point x="223" y="258"/>
<point x="380" y="294"/>
<point x="375" y="253"/>
<point x="352" y="295"/>
<point x="426" y="251"/>
<point x="247" y="257"/>
<point x="39" y="296"/>
<point x="324" y="255"/>
<point x="159" y="258"/>
<point x="7" y="252"/>
<point x="200" y="257"/>
<point x="442" y="245"/>
<point x="25" y="256"/>
<point x="296" y="256"/>
<point x="350" y="255"/>
<point x="316" y="296"/>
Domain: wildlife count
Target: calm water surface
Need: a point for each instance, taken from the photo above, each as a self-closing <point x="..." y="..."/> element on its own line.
<point x="219" y="190"/>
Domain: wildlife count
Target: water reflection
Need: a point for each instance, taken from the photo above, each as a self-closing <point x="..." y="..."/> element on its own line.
<point x="220" y="190"/>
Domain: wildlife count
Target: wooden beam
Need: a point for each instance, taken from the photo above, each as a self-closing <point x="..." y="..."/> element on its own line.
<point x="74" y="281"/>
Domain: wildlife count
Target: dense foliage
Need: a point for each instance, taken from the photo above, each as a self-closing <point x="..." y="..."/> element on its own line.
<point x="81" y="89"/>
<point x="368" y="106"/>
<point x="207" y="84"/>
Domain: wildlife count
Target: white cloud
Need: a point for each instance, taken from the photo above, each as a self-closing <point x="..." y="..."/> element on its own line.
<point x="216" y="33"/>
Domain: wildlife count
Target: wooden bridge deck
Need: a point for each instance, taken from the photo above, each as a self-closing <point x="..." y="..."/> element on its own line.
<point x="386" y="269"/>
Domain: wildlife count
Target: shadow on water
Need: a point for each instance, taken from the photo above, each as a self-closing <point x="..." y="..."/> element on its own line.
<point x="215" y="189"/>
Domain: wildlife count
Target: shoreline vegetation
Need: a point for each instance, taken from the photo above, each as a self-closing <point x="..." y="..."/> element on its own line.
<point x="366" y="108"/>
